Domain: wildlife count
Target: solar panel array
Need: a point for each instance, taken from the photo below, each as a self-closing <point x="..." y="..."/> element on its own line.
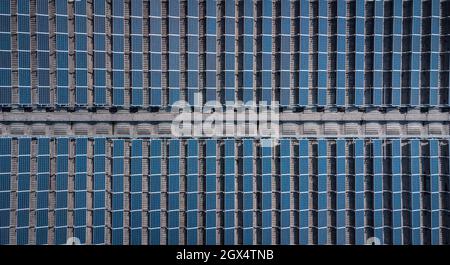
<point x="224" y="191"/>
<point x="71" y="165"/>
<point x="140" y="54"/>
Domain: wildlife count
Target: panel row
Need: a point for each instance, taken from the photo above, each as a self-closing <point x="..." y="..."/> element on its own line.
<point x="144" y="53"/>
<point x="224" y="191"/>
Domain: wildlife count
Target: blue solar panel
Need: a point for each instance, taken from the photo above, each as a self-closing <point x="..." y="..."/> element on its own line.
<point x="99" y="194"/>
<point x="173" y="192"/>
<point x="136" y="175"/>
<point x="265" y="202"/>
<point x="23" y="191"/>
<point x="247" y="191"/>
<point x="117" y="191"/>
<point x="192" y="192"/>
<point x="80" y="189"/>
<point x="285" y="188"/>
<point x="62" y="185"/>
<point x="43" y="188"/>
<point x="154" y="189"/>
<point x="229" y="189"/>
<point x="5" y="186"/>
<point x="210" y="190"/>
